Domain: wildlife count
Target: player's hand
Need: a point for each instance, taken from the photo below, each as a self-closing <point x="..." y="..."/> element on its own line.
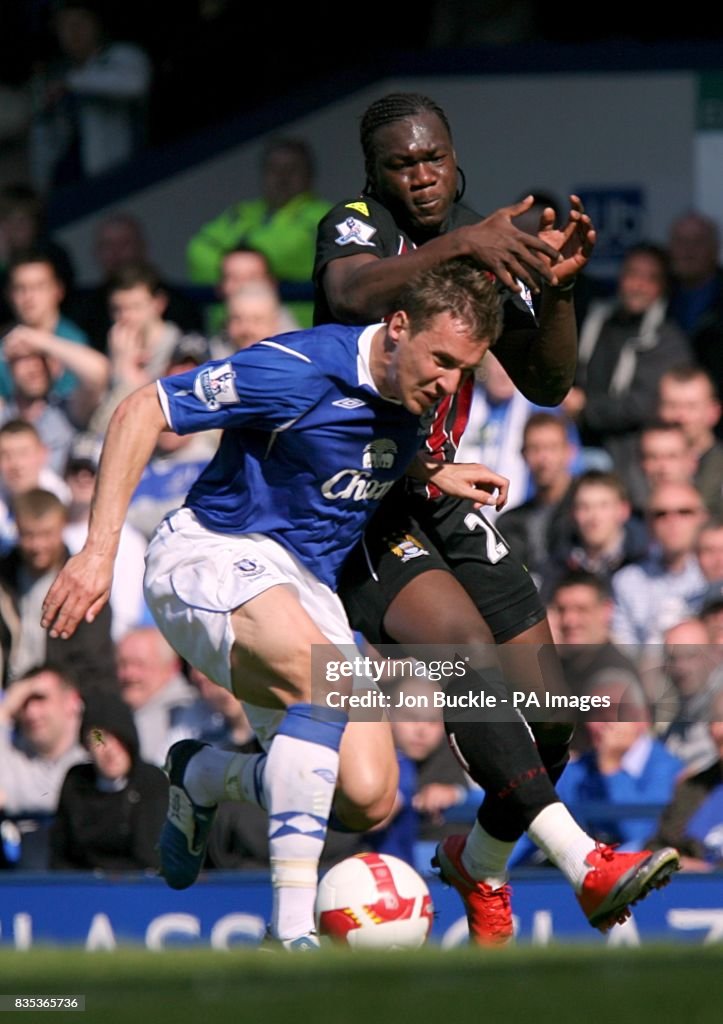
<point x="574" y="241"/>
<point x="470" y="480"/>
<point x="512" y="255"/>
<point x="79" y="592"/>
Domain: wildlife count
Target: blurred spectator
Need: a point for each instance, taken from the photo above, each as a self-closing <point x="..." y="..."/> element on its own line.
<point x="23" y="467"/>
<point x="281" y="223"/>
<point x="149" y="673"/>
<point x="25" y="577"/>
<point x="178" y="459"/>
<point x="625" y="765"/>
<point x="90" y="104"/>
<point x="253" y="312"/>
<point x="140" y="341"/>
<point x="689" y="664"/>
<point x="39" y="730"/>
<point x="36" y="292"/>
<point x="711" y="613"/>
<point x="709" y="549"/>
<point x="625" y="345"/>
<point x="541" y="524"/>
<point x="30" y="401"/>
<point x="111" y="810"/>
<point x="22" y="227"/>
<point x="697" y="298"/>
<point x="686" y="395"/>
<point x="33" y="359"/>
<point x="495" y="431"/>
<point x="664" y="456"/>
<point x="241" y="266"/>
<point x="605" y="535"/>
<point x="127" y="602"/>
<point x="678" y="825"/>
<point x="217" y="718"/>
<point x="582" y="608"/>
<point x="120" y="242"/>
<point x="666" y="586"/>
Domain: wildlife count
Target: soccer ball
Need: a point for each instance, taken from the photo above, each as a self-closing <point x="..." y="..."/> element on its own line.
<point x="374" y="901"/>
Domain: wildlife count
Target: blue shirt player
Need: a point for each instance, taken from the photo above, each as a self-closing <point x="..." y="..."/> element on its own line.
<point x="317" y="425"/>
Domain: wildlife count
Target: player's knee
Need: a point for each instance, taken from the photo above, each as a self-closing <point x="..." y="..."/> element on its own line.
<point x="368" y="801"/>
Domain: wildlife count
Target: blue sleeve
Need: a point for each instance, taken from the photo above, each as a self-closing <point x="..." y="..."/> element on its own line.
<point x="266" y="386"/>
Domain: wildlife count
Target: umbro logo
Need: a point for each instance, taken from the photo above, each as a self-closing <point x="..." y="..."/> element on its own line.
<point x="349" y="403"/>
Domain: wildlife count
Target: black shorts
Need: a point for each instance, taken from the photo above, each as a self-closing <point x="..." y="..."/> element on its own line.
<point x="408" y="536"/>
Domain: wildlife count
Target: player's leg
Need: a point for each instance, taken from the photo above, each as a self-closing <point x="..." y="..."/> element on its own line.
<point x="502" y="591"/>
<point x="241" y="611"/>
<point x="272" y="665"/>
<point x="368" y="776"/>
<point x="423" y="605"/>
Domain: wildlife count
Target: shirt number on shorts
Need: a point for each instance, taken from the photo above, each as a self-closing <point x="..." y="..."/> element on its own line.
<point x="496" y="547"/>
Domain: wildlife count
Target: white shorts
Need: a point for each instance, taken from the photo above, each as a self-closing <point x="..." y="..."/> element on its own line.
<point x="195" y="578"/>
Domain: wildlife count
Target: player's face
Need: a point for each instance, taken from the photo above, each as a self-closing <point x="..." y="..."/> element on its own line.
<point x="416" y="171"/>
<point x="427" y="365"/>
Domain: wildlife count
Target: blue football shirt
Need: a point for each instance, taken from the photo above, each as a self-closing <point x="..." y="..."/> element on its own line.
<point x="309" y="446"/>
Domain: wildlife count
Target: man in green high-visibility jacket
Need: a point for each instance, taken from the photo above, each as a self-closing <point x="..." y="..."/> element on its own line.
<point x="281" y="223"/>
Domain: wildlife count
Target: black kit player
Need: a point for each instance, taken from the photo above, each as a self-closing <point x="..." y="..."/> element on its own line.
<point x="463" y="586"/>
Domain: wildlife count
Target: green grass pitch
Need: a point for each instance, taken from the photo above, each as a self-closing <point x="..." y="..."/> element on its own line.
<point x="585" y="985"/>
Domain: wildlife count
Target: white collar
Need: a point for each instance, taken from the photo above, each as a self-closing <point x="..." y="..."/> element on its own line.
<point x="364" y="373"/>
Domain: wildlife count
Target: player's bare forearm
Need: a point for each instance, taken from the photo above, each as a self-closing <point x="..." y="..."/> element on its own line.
<point x="363" y="288"/>
<point x="542" y="362"/>
<point x="83" y="585"/>
<point x="129" y="443"/>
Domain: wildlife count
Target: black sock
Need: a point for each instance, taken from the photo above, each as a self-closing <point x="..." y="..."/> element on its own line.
<point x="498" y="751"/>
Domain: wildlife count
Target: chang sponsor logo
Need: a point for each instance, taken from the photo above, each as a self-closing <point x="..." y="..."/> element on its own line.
<point x="355" y="485"/>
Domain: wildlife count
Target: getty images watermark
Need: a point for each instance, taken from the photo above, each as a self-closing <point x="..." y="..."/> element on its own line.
<point x="429" y="681"/>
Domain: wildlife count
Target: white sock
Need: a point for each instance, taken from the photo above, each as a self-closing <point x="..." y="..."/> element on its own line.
<point x="485" y="858"/>
<point x="299" y="781"/>
<point x="214" y="775"/>
<point x="559" y="836"/>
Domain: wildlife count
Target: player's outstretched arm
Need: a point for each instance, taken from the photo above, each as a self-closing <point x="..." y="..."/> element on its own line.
<point x="83" y="585"/>
<point x="470" y="480"/>
<point x="363" y="287"/>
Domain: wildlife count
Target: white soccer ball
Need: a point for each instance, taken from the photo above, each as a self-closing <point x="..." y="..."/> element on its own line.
<point x="374" y="901"/>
